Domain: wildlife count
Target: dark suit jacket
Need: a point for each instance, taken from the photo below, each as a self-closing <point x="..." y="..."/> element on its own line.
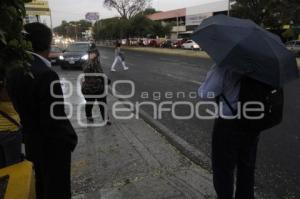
<point x="32" y="99"/>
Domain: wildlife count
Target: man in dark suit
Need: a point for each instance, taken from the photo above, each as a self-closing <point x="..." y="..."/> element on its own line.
<point x="48" y="141"/>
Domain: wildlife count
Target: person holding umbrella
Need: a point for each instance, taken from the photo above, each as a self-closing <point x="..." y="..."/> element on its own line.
<point x="252" y="66"/>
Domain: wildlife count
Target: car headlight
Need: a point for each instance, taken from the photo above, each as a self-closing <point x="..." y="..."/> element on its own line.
<point x="61" y="57"/>
<point x="85" y="57"/>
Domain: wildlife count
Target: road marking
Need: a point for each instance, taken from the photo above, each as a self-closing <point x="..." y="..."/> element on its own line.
<point x="183" y="79"/>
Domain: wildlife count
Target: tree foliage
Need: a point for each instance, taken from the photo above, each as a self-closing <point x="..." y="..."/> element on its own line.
<point x="149" y="11"/>
<point x="13" y="46"/>
<point x="127" y="8"/>
<point x="269" y="13"/>
<point x="70" y="29"/>
<point x="138" y="26"/>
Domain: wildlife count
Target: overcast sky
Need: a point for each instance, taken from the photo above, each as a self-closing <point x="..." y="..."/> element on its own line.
<point x="70" y="10"/>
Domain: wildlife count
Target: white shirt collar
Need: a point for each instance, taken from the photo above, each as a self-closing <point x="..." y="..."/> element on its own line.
<point x="47" y="62"/>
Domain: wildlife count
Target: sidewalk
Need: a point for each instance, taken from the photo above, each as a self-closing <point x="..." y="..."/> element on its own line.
<point x="130" y="160"/>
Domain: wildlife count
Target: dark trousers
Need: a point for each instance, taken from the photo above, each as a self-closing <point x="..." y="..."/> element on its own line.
<point x="52" y="163"/>
<point x="90" y="104"/>
<point x="233" y="149"/>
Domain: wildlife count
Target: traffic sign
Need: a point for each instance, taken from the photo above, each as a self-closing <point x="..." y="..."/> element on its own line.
<point x="92" y="16"/>
<point x="37" y="7"/>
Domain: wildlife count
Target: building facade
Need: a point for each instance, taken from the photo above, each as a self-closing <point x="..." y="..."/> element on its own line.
<point x="186" y="20"/>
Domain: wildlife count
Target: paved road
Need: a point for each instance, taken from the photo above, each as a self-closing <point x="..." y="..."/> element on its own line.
<point x="154" y="75"/>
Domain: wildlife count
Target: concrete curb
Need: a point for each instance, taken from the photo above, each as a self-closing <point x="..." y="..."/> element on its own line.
<point x="184" y="147"/>
<point x="191" y="152"/>
<point x="184" y="53"/>
<point x="164" y="51"/>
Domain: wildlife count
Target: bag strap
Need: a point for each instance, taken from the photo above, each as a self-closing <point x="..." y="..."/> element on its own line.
<point x="12" y="120"/>
<point x="228" y="104"/>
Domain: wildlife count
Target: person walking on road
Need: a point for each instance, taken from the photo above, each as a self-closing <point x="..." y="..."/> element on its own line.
<point x="48" y="135"/>
<point x="119" y="57"/>
<point x="93" y="85"/>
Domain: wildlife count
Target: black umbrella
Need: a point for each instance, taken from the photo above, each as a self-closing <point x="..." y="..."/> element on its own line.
<point x="248" y="48"/>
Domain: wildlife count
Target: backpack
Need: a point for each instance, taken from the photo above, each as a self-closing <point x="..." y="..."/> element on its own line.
<point x="10" y="145"/>
<point x="270" y="97"/>
<point x="93" y="85"/>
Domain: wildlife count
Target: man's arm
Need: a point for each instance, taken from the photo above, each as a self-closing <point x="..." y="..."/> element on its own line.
<point x="212" y="87"/>
<point x="52" y="107"/>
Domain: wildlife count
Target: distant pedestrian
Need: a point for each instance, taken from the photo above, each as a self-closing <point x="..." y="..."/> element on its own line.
<point x="49" y="141"/>
<point x="94" y="85"/>
<point x="119" y="57"/>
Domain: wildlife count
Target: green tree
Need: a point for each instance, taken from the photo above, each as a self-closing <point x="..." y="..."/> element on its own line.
<point x="62" y="29"/>
<point x="149" y="11"/>
<point x="159" y="29"/>
<point x="137" y="26"/>
<point x="73" y="28"/>
<point x="127" y="8"/>
<point x="269" y="13"/>
<point x="107" y="29"/>
<point x="288" y="34"/>
<point x="13" y="46"/>
<point x="140" y="26"/>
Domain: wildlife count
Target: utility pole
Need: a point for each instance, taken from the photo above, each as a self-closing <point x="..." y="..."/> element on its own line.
<point x="76" y="32"/>
<point x="229" y="7"/>
<point x="177" y="20"/>
<point x="37" y="18"/>
<point x="75" y="28"/>
<point x="51" y="25"/>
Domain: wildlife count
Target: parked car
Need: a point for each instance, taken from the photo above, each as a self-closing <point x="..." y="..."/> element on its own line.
<point x="153" y="43"/>
<point x="294" y="46"/>
<point x="166" y="44"/>
<point x="134" y="42"/>
<point x="190" y="44"/>
<point x="75" y="55"/>
<point x="179" y="42"/>
<point x="54" y="55"/>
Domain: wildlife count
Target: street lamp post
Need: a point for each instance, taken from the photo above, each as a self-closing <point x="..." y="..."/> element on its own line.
<point x="177" y="21"/>
<point x="229" y="7"/>
<point x="51" y="25"/>
<point x="292" y="28"/>
<point x="75" y="27"/>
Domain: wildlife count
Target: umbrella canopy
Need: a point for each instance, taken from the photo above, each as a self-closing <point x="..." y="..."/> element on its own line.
<point x="248" y="48"/>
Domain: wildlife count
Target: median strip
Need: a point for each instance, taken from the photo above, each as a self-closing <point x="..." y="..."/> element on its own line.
<point x="180" y="52"/>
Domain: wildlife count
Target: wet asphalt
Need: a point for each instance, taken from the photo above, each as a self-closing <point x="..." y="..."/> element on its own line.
<point x="165" y="78"/>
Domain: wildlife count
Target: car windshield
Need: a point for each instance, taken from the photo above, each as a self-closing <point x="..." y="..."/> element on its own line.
<point x="78" y="48"/>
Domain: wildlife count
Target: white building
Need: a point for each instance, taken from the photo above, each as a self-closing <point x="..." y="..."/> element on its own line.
<point x="186" y="20"/>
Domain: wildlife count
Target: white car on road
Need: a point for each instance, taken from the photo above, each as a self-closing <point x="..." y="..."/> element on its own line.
<point x="190" y="44"/>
